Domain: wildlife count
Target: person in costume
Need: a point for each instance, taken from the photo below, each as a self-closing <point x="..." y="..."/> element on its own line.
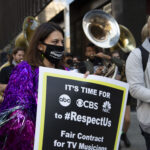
<point x="18" y="110"/>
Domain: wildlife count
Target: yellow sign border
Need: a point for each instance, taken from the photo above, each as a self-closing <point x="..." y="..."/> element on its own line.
<point x="46" y="74"/>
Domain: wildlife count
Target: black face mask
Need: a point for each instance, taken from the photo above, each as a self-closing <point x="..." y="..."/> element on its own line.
<point x="70" y="62"/>
<point x="53" y="53"/>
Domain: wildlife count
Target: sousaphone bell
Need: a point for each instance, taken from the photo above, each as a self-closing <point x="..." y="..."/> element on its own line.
<point x="126" y="41"/>
<point x="29" y="26"/>
<point x="103" y="31"/>
<point x="101" y="28"/>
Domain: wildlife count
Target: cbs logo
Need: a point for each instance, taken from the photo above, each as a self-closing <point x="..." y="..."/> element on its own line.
<point x="64" y="100"/>
<point x="87" y="104"/>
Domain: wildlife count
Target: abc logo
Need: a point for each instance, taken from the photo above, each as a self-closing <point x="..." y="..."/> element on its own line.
<point x="64" y="100"/>
<point x="87" y="104"/>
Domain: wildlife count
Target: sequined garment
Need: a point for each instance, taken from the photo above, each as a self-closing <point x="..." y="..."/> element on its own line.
<point x="18" y="110"/>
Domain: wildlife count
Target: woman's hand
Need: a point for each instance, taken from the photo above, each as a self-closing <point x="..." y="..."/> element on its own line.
<point x="86" y="74"/>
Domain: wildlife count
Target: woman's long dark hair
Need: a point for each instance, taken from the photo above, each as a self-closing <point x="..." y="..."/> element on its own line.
<point x="33" y="55"/>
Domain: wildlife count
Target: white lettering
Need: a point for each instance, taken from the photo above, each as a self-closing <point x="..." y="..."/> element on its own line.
<point x="72" y="144"/>
<point x="103" y="121"/>
<point x="90" y="147"/>
<point x="89" y="91"/>
<point x="80" y="136"/>
<point x="104" y="94"/>
<point x="58" y="144"/>
<point x="67" y="134"/>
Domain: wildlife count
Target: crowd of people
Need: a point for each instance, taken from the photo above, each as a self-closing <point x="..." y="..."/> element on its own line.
<point x="19" y="82"/>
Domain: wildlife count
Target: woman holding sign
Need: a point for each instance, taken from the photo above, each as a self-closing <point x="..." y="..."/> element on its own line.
<point x="18" y="110"/>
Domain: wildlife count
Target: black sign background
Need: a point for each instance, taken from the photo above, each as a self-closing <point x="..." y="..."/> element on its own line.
<point x="53" y="126"/>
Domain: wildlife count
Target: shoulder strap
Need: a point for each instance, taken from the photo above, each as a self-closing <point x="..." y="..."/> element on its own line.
<point x="145" y="55"/>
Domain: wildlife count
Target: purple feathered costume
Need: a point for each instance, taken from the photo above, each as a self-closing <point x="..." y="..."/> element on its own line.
<point x="18" y="110"/>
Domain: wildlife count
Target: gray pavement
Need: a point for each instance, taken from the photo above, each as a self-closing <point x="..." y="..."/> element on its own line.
<point x="134" y="135"/>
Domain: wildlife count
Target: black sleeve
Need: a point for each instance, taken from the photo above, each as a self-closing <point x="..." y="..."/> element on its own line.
<point x="3" y="76"/>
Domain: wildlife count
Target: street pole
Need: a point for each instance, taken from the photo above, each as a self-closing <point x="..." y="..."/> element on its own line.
<point x="67" y="27"/>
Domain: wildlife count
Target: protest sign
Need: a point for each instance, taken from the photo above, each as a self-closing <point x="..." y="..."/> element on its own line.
<point x="78" y="113"/>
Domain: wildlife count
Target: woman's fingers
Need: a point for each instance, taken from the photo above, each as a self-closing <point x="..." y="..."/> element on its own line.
<point x="86" y="74"/>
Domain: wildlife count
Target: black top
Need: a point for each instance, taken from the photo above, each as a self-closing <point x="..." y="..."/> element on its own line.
<point x="5" y="74"/>
<point x="145" y="55"/>
<point x="97" y="61"/>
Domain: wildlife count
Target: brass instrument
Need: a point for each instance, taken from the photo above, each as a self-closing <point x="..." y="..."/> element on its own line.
<point x="103" y="31"/>
<point x="21" y="41"/>
<point x="101" y="28"/>
<point x="126" y="41"/>
<point x="29" y="26"/>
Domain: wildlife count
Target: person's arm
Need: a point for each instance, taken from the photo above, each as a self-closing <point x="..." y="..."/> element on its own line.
<point x="102" y="55"/>
<point x="118" y="77"/>
<point x="135" y="77"/>
<point x="2" y="87"/>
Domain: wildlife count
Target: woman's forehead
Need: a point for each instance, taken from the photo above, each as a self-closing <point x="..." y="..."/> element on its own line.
<point x="55" y="35"/>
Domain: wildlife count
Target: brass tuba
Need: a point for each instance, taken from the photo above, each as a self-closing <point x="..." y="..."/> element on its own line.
<point x="101" y="28"/>
<point x="20" y="41"/>
<point x="29" y="26"/>
<point x="103" y="31"/>
<point x="126" y="41"/>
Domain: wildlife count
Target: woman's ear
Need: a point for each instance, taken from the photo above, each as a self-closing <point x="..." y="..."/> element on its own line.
<point x="13" y="56"/>
<point x="41" y="47"/>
